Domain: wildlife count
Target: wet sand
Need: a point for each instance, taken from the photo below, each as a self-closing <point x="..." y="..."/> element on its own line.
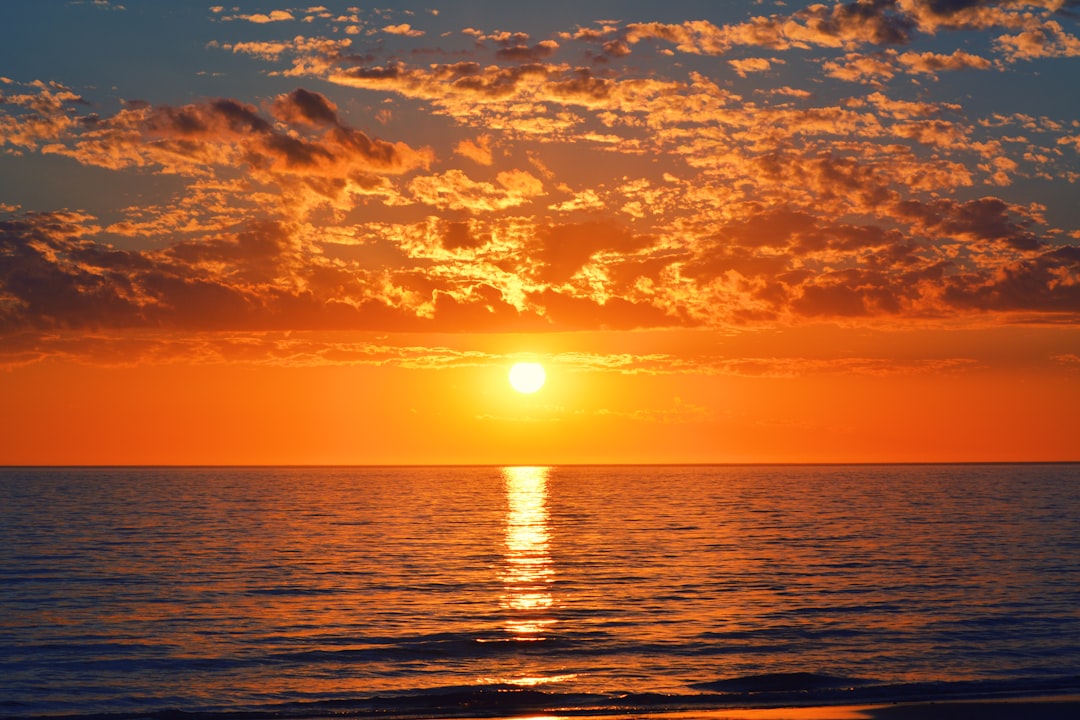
<point x="1051" y="708"/>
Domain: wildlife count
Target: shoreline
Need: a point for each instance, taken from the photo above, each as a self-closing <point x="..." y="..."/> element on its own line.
<point x="1052" y="707"/>
<point x="1013" y="707"/>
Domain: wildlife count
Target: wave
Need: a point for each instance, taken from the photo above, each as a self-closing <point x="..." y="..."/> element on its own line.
<point x="782" y="682"/>
<point x="762" y="690"/>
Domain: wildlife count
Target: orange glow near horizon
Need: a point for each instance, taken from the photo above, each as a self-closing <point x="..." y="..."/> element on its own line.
<point x="593" y="410"/>
<point x="786" y="232"/>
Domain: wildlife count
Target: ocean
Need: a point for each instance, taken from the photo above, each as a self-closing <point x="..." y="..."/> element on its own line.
<point x="492" y="591"/>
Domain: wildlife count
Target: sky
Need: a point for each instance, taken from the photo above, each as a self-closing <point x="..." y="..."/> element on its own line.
<point x="274" y="233"/>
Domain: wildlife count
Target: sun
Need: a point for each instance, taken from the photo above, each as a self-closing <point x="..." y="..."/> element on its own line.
<point x="527" y="377"/>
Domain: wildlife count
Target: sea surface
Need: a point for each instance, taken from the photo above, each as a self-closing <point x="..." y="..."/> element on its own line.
<point x="488" y="591"/>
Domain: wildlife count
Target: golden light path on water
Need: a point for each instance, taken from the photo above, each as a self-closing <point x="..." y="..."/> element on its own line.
<point x="528" y="570"/>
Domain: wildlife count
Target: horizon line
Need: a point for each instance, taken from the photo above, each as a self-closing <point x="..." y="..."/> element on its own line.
<point x="883" y="463"/>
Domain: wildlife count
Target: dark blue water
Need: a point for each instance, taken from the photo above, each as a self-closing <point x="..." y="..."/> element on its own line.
<point x="488" y="591"/>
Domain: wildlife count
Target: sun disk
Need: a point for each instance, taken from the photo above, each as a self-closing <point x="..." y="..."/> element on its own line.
<point x="527" y="377"/>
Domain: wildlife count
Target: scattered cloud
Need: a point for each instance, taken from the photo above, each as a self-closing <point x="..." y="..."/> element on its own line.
<point x="1044" y="40"/>
<point x="478" y="150"/>
<point x="932" y="63"/>
<point x="263" y="18"/>
<point x="752" y="65"/>
<point x="584" y="181"/>
<point x="403" y="29"/>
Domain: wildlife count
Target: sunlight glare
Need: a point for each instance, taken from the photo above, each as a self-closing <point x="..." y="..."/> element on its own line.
<point x="527" y="377"/>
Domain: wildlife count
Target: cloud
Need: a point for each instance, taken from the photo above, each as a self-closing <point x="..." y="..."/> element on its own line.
<point x="300" y="349"/>
<point x="43" y="112"/>
<point x="479" y="150"/>
<point x="106" y="5"/>
<point x="587" y="199"/>
<point x="264" y="50"/>
<point x="564" y="249"/>
<point x="987" y="219"/>
<point x="857" y="67"/>
<point x="698" y="37"/>
<point x="934" y="15"/>
<point x="263" y="18"/>
<point x="1046" y="40"/>
<point x="312" y="53"/>
<point x="752" y="65"/>
<point x="472" y="276"/>
<point x="1049" y="282"/>
<point x="454" y="190"/>
<point x="851" y="25"/>
<point x="844" y="25"/>
<point x="879" y="67"/>
<point x="525" y="53"/>
<point x="197" y="139"/>
<point x="306" y="108"/>
<point x="56" y="278"/>
<point x="932" y="63"/>
<point x="566" y="190"/>
<point x="576" y="312"/>
<point x="403" y="29"/>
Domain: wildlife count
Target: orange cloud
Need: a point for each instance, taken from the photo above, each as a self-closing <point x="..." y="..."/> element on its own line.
<point x="479" y="150"/>
<point x="454" y="190"/>
<point x="1039" y="40"/>
<point x="856" y="67"/>
<point x="659" y="198"/>
<point x="263" y="18"/>
<point x="195" y="139"/>
<point x="973" y="14"/>
<point x="403" y="29"/>
<point x="933" y="63"/>
<point x="752" y="65"/>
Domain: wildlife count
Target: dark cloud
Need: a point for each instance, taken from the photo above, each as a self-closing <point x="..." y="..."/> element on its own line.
<point x="527" y="53"/>
<point x="217" y="117"/>
<point x="616" y="48"/>
<point x="776" y="228"/>
<point x="458" y="235"/>
<point x="485" y="310"/>
<point x="195" y="138"/>
<point x="568" y="312"/>
<point x="583" y="87"/>
<point x="877" y="20"/>
<point x="257" y="277"/>
<point x="304" y="106"/>
<point x="838" y="300"/>
<point x="297" y="153"/>
<point x="52" y="279"/>
<point x="715" y="259"/>
<point x="240" y="118"/>
<point x="950" y="7"/>
<point x="499" y="82"/>
<point x="847" y="238"/>
<point x="1049" y="282"/>
<point x="987" y="219"/>
<point x="565" y="249"/>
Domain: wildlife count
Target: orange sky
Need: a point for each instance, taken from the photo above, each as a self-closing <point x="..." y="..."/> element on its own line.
<point x="876" y="396"/>
<point x="758" y="232"/>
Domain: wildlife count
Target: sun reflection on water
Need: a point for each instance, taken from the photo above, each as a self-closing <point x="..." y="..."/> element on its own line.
<point x="528" y="569"/>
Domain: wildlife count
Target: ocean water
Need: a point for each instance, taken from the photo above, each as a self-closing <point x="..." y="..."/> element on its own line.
<point x="489" y="591"/>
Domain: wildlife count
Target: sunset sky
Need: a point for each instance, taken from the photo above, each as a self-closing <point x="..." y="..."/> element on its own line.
<point x="266" y="233"/>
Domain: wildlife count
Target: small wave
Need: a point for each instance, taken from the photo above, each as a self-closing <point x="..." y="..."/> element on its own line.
<point x="782" y="682"/>
<point x="810" y="687"/>
<point x="766" y="690"/>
